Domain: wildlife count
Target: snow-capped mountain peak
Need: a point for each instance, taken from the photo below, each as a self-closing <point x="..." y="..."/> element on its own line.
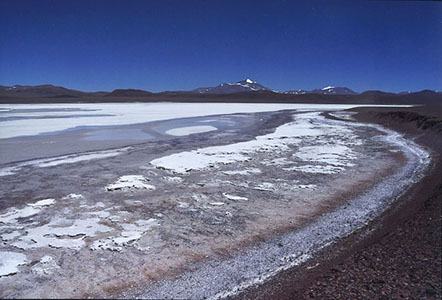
<point x="296" y="92"/>
<point x="246" y="85"/>
<point x="333" y="90"/>
<point x="249" y="85"/>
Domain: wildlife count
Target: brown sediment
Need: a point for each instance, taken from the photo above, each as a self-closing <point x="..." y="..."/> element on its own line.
<point x="398" y="256"/>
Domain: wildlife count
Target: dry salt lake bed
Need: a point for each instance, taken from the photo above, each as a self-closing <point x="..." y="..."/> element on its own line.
<point x="184" y="200"/>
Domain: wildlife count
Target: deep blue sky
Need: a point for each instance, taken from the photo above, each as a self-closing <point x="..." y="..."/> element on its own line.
<point x="180" y="45"/>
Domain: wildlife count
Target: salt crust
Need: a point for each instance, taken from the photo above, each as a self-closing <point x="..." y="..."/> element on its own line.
<point x="130" y="182"/>
<point x="9" y="262"/>
<point x="130" y="234"/>
<point x="182" y="131"/>
<point x="332" y="158"/>
<point x="235" y="198"/>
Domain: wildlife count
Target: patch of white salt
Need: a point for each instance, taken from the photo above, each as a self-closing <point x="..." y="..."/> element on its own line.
<point x="73" y="197"/>
<point x="130" y="182"/>
<point x="173" y="179"/>
<point x="8" y="171"/>
<point x="61" y="233"/>
<point x="183" y="205"/>
<point x="13" y="214"/>
<point x="44" y="202"/>
<point x="9" y="262"/>
<point x="10" y="236"/>
<point x="46" y="266"/>
<point x="235" y="198"/>
<point x="130" y="234"/>
<point x="265" y="186"/>
<point x="181" y="131"/>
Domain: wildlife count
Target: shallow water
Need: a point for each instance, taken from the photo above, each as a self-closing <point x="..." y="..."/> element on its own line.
<point x="117" y="134"/>
<point x="92" y="138"/>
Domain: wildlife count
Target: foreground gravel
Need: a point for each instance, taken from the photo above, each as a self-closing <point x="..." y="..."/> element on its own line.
<point x="404" y="264"/>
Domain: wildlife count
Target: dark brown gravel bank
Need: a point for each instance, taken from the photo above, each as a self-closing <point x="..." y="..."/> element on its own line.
<point x="399" y="255"/>
<point x="404" y="264"/>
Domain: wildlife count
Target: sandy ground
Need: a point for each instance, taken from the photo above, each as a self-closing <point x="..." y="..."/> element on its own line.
<point x="130" y="223"/>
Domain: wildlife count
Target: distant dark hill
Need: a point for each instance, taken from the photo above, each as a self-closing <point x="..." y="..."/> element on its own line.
<point x="98" y="94"/>
<point x="427" y="96"/>
<point x="39" y="91"/>
<point x="425" y="93"/>
<point x="376" y="94"/>
<point x="129" y="93"/>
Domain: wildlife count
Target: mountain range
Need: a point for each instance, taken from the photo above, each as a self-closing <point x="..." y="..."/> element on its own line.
<point x="245" y="90"/>
<point x="248" y="85"/>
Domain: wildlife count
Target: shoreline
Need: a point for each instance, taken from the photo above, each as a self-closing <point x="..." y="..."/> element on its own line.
<point x="340" y="271"/>
<point x="268" y="254"/>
